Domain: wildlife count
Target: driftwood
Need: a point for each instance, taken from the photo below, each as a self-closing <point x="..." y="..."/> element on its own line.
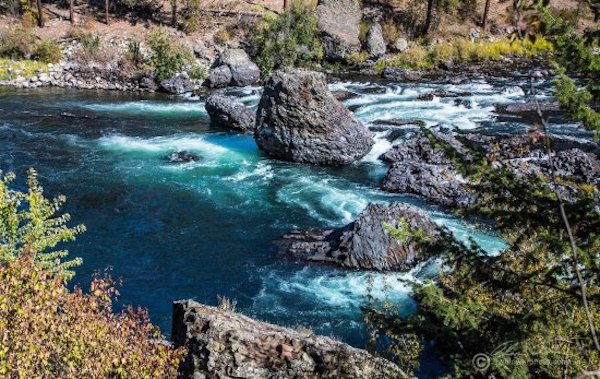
<point x="228" y="12"/>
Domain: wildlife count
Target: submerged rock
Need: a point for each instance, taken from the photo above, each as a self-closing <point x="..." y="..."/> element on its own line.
<point x="182" y="157"/>
<point x="300" y="120"/>
<point x="225" y="344"/>
<point x="339" y="28"/>
<point x="365" y="243"/>
<point x="429" y="96"/>
<point x="399" y="122"/>
<point x="226" y="112"/>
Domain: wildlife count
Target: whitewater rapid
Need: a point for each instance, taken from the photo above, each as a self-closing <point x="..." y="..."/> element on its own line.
<point x="238" y="187"/>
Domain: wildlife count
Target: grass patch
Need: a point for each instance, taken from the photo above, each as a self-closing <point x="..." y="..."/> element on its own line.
<point x="10" y="69"/>
<point x="462" y="50"/>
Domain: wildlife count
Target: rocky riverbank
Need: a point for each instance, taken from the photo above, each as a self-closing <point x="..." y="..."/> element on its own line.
<point x="224" y="344"/>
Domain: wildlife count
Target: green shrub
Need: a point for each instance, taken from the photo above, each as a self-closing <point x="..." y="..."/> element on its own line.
<point x="415" y="57"/>
<point x="91" y="43"/>
<point x="197" y="72"/>
<point x="363" y="30"/>
<point x="167" y="58"/>
<point x="29" y="226"/>
<point x="191" y="14"/>
<point x="134" y="53"/>
<point x="390" y="31"/>
<point x="17" y="43"/>
<point x="288" y="40"/>
<point x="443" y="52"/>
<point x="47" y="51"/>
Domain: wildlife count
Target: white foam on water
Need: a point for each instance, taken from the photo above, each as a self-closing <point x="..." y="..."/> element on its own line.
<point x="341" y="290"/>
<point x="147" y="107"/>
<point x="381" y="145"/>
<point x="164" y="144"/>
<point x="329" y="200"/>
<point x="261" y="171"/>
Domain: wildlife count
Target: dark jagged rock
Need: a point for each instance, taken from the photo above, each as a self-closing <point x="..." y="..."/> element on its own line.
<point x="226" y="112"/>
<point x="148" y="83"/>
<point x="429" y="96"/>
<point x="225" y="344"/>
<point x="364" y="243"/>
<point x="344" y="95"/>
<point x="400" y="74"/>
<point x="527" y="112"/>
<point x="182" y="157"/>
<point x="422" y="168"/>
<point x="399" y="122"/>
<point x="300" y="120"/>
<point x="339" y="28"/>
<point x="439" y="184"/>
<point x="177" y="85"/>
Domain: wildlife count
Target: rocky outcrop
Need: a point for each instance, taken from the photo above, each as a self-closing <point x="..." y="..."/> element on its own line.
<point x="439" y="184"/>
<point x="375" y="43"/>
<point x="227" y="113"/>
<point x="421" y="167"/>
<point x="178" y="84"/>
<point x="300" y="120"/>
<point x="235" y="68"/>
<point x="527" y="112"/>
<point x="339" y="28"/>
<point x="365" y="243"/>
<point x="225" y="344"/>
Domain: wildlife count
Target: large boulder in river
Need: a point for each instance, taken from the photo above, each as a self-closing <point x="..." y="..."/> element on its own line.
<point x="339" y="28"/>
<point x="226" y="112"/>
<point x="235" y="65"/>
<point x="225" y="344"/>
<point x="365" y="243"/>
<point x="300" y="120"/>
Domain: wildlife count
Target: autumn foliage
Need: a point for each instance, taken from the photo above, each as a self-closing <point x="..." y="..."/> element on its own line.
<point x="47" y="331"/>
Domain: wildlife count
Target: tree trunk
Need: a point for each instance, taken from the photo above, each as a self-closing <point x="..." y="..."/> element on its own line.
<point x="106" y="5"/>
<point x="486" y="11"/>
<point x="71" y="13"/>
<point x="429" y="17"/>
<point x="40" y="14"/>
<point x="174" y="11"/>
